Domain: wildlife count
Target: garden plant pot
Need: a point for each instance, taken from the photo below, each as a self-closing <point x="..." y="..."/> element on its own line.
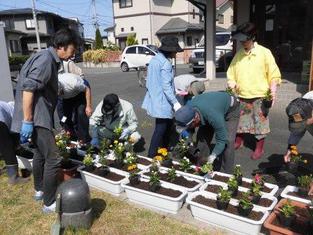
<point x="103" y="170"/>
<point x="134" y="180"/>
<point x="24" y="162"/>
<point x="156" y="200"/>
<point x="221" y="205"/>
<point x="25" y="173"/>
<point x="167" y="163"/>
<point x="103" y="184"/>
<point x="244" y="211"/>
<point x="68" y="170"/>
<point x="223" y="219"/>
<point x="286" y="221"/>
<point x="292" y="192"/>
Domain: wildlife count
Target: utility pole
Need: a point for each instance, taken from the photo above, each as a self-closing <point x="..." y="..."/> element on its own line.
<point x="36" y="25"/>
<point x="95" y="18"/>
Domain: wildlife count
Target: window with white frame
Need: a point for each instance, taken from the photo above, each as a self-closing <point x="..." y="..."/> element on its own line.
<point x="126" y="3"/>
<point x="30" y="23"/>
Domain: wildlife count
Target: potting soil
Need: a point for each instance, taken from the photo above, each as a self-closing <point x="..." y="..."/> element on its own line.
<point x="164" y="191"/>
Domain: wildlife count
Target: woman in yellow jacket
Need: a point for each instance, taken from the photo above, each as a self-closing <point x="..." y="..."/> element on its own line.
<point x="253" y="73"/>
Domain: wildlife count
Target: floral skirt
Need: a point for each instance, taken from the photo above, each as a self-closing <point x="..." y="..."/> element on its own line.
<point x="253" y="118"/>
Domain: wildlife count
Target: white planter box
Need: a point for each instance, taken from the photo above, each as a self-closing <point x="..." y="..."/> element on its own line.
<point x="24" y="163"/>
<point x="274" y="188"/>
<point x="155" y="200"/>
<point x="264" y="195"/>
<point x="140" y="166"/>
<point x="103" y="184"/>
<point x="225" y="220"/>
<point x="165" y="170"/>
<point x="291" y="188"/>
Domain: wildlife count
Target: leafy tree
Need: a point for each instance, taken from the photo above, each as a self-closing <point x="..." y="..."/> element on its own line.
<point x="131" y="40"/>
<point x="99" y="42"/>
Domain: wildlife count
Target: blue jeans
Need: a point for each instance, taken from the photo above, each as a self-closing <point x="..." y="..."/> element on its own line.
<point x="161" y="135"/>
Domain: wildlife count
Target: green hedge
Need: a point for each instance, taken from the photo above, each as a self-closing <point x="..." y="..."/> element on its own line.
<point x="16" y="60"/>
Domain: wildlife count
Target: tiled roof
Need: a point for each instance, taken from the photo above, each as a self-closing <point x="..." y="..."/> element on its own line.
<point x="176" y="25"/>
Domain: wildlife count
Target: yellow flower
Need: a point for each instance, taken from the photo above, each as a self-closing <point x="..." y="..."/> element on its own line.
<point x="131" y="167"/>
<point x="111" y="146"/>
<point x="115" y="142"/>
<point x="163" y="152"/>
<point x="294" y="152"/>
<point x="158" y="158"/>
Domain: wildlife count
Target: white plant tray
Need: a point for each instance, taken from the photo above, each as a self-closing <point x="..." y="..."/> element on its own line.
<point x="24" y="163"/>
<point x="165" y="170"/>
<point x="140" y="166"/>
<point x="198" y="177"/>
<point x="271" y="186"/>
<point x="103" y="184"/>
<point x="235" y="223"/>
<point x="264" y="195"/>
<point x="290" y="188"/>
<point x="155" y="200"/>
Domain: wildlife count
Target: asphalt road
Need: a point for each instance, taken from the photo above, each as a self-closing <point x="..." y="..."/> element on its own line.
<point x="125" y="85"/>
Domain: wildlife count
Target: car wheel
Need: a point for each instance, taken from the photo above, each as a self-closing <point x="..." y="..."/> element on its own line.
<point x="124" y="67"/>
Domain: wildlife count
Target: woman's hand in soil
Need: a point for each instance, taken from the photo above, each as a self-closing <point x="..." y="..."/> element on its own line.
<point x="287" y="157"/>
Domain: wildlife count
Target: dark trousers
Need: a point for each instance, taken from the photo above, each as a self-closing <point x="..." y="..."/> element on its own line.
<point x="7" y="145"/>
<point x="77" y="121"/>
<point x="161" y="135"/>
<point x="46" y="164"/>
<point x="225" y="161"/>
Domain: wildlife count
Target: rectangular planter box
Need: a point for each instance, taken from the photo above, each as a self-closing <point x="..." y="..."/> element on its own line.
<point x="155" y="200"/>
<point x="103" y="184"/>
<point x="264" y="195"/>
<point x="290" y="188"/>
<point x="225" y="220"/>
<point x="165" y="170"/>
<point x="140" y="166"/>
<point x="277" y="230"/>
<point x="271" y="186"/>
<point x="24" y="163"/>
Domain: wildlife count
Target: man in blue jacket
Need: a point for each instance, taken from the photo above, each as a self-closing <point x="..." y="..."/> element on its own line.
<point x="160" y="101"/>
<point x="35" y="102"/>
<point x="212" y="112"/>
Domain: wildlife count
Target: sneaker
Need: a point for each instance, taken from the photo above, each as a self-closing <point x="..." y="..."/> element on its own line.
<point x="49" y="209"/>
<point x="38" y="195"/>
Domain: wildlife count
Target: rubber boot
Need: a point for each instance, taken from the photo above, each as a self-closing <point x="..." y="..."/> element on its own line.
<point x="259" y="151"/>
<point x="238" y="141"/>
<point x="12" y="171"/>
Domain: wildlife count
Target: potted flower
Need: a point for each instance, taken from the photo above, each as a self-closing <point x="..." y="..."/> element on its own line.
<point x="255" y="193"/>
<point x="232" y="186"/>
<point x="154" y="167"/>
<point x="119" y="154"/>
<point x="304" y="183"/>
<point x="181" y="149"/>
<point x="287" y="214"/>
<point x="103" y="170"/>
<point x="206" y="168"/>
<point x="134" y="177"/>
<point x="117" y="132"/>
<point x="245" y="205"/>
<point x="164" y="157"/>
<point x="223" y="198"/>
<point x="154" y="182"/>
<point x="105" y="146"/>
<point x="295" y="160"/>
<point x="88" y="162"/>
<point x="258" y="180"/>
<point x="268" y="99"/>
<point x="171" y="174"/>
<point x="185" y="164"/>
<point x="238" y="174"/>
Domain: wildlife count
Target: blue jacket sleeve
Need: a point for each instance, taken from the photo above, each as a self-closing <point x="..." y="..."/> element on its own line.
<point x="167" y="82"/>
<point x="294" y="139"/>
<point x="221" y="134"/>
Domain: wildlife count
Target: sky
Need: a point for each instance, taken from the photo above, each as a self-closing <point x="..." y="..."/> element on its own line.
<point x="82" y="9"/>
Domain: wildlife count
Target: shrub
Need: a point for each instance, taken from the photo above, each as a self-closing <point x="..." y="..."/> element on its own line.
<point x="131" y="40"/>
<point x="16" y="60"/>
<point x="98" y="40"/>
<point x="101" y="56"/>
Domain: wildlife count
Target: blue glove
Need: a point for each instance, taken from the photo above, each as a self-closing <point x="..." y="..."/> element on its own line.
<point x="184" y="134"/>
<point x="26" y="131"/>
<point x="125" y="133"/>
<point x="95" y="142"/>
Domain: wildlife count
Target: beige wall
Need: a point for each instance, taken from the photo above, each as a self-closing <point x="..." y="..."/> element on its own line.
<point x="228" y="13"/>
<point x="139" y="6"/>
<point x="163" y="6"/>
<point x="20" y="24"/>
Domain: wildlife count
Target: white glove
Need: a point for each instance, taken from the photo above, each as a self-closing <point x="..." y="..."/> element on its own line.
<point x="125" y="133"/>
<point x="211" y="158"/>
<point x="177" y="106"/>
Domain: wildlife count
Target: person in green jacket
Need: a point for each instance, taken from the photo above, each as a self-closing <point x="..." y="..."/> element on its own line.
<point x="212" y="112"/>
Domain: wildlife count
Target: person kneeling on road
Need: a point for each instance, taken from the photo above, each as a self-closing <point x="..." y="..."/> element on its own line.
<point x="112" y="113"/>
<point x="8" y="142"/>
<point x="212" y="112"/>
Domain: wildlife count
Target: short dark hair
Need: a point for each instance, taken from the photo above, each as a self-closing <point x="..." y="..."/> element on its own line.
<point x="167" y="54"/>
<point x="65" y="37"/>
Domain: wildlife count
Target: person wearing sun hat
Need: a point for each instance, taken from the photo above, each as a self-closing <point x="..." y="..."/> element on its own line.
<point x="160" y="101"/>
<point x="214" y="113"/>
<point x="252" y="74"/>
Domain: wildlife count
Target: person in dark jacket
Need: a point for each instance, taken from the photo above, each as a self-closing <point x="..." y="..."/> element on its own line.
<point x="35" y="102"/>
<point x="212" y="112"/>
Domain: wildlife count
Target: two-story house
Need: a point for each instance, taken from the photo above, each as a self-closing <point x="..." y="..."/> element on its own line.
<point x="150" y="20"/>
<point x="20" y="29"/>
<point x="224" y="14"/>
